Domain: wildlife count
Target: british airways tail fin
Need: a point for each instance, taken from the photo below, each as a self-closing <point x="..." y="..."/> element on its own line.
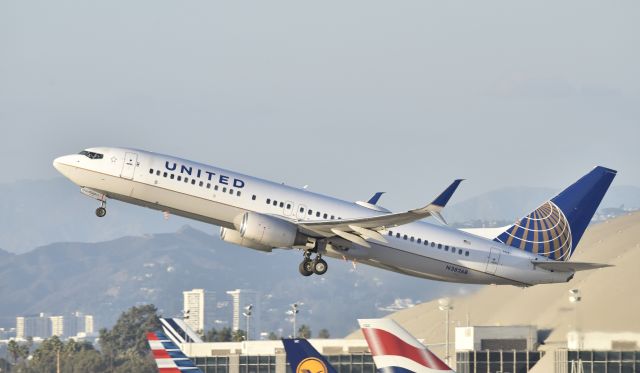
<point x="554" y="229"/>
<point x="169" y="358"/>
<point x="303" y="358"/>
<point x="394" y="350"/>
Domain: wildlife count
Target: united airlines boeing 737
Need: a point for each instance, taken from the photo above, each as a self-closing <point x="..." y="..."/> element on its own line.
<point x="264" y="215"/>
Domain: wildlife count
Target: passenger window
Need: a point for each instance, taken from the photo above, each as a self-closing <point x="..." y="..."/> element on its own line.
<point x="333" y="217"/>
<point x="281" y="204"/>
<point x="301" y="209"/>
<point x="151" y="171"/>
<point x="201" y="183"/>
<point x="324" y="216"/>
<point x="172" y="176"/>
<point x="459" y="251"/>
<point x="215" y="187"/>
<point x="193" y="181"/>
<point x="208" y="185"/>
<point x="433" y="244"/>
<point x="426" y="242"/>
<point x="397" y="235"/>
<point x="288" y="206"/>
<point x="419" y="240"/>
<point x="412" y="239"/>
<point x="405" y="237"/>
<point x="224" y="189"/>
<point x="253" y="198"/>
<point x="238" y="193"/>
<point x="268" y="201"/>
<point x="186" y="179"/>
<point x="158" y="173"/>
<point x="446" y="247"/>
<point x="230" y="191"/>
<point x="310" y="212"/>
<point x="390" y="233"/>
<point x="179" y="178"/>
<point x="318" y="214"/>
<point x="275" y="203"/>
<point x="466" y="253"/>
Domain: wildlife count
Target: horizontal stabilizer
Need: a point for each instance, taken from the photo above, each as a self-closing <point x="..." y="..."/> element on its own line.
<point x="569" y="266"/>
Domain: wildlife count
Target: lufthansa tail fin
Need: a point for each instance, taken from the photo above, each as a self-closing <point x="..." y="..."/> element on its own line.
<point x="394" y="350"/>
<point x="169" y="358"/>
<point x="303" y="358"/>
<point x="554" y="229"/>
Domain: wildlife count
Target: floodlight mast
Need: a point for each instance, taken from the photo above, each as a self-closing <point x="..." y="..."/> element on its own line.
<point x="445" y="305"/>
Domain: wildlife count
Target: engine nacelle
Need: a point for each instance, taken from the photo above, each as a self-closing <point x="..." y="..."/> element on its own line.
<point x="267" y="230"/>
<point x="233" y="236"/>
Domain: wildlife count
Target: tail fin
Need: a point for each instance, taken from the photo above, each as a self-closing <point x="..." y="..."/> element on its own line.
<point x="178" y="331"/>
<point x="554" y="229"/>
<point x="394" y="350"/>
<point x="169" y="358"/>
<point x="303" y="358"/>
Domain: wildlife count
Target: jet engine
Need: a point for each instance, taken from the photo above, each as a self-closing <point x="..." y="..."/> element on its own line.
<point x="233" y="236"/>
<point x="268" y="231"/>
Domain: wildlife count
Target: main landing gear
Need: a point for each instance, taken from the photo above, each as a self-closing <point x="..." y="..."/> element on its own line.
<point x="310" y="266"/>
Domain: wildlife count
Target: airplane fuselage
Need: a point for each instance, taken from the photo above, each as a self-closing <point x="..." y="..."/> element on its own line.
<point x="221" y="197"/>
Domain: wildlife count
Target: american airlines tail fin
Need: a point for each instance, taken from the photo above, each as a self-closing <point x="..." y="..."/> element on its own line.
<point x="178" y="331"/>
<point x="169" y="358"/>
<point x="303" y="358"/>
<point x="554" y="229"/>
<point x="394" y="350"/>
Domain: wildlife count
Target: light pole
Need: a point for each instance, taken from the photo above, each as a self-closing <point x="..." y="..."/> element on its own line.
<point x="247" y="314"/>
<point x="575" y="297"/>
<point x="445" y="305"/>
<point x="293" y="312"/>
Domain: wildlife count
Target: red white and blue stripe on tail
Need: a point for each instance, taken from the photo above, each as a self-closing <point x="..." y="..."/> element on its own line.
<point x="168" y="356"/>
<point x="394" y="350"/>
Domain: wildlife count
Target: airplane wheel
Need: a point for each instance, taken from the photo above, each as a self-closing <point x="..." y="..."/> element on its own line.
<point x="320" y="267"/>
<point x="101" y="212"/>
<point x="306" y="267"/>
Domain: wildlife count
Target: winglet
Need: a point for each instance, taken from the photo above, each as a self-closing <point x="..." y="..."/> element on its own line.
<point x="443" y="198"/>
<point x="374" y="200"/>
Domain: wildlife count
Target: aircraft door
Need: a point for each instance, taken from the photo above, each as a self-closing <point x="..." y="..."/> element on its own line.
<point x="289" y="208"/>
<point x="493" y="261"/>
<point x="129" y="166"/>
<point x="301" y="211"/>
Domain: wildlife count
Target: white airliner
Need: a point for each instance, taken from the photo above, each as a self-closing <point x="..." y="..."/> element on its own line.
<point x="264" y="215"/>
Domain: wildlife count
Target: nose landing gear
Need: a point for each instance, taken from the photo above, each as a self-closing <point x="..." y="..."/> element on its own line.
<point x="102" y="210"/>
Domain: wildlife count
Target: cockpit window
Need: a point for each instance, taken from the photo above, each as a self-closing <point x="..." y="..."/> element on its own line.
<point x="91" y="155"/>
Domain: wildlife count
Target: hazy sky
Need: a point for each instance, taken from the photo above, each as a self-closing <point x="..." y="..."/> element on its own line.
<point x="349" y="97"/>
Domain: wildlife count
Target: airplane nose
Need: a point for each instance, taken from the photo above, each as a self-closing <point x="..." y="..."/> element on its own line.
<point x="58" y="162"/>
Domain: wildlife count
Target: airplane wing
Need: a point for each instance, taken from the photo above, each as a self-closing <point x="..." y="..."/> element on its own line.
<point x="569" y="266"/>
<point x="358" y="229"/>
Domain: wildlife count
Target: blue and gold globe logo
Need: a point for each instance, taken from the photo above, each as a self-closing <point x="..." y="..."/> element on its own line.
<point x="311" y="365"/>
